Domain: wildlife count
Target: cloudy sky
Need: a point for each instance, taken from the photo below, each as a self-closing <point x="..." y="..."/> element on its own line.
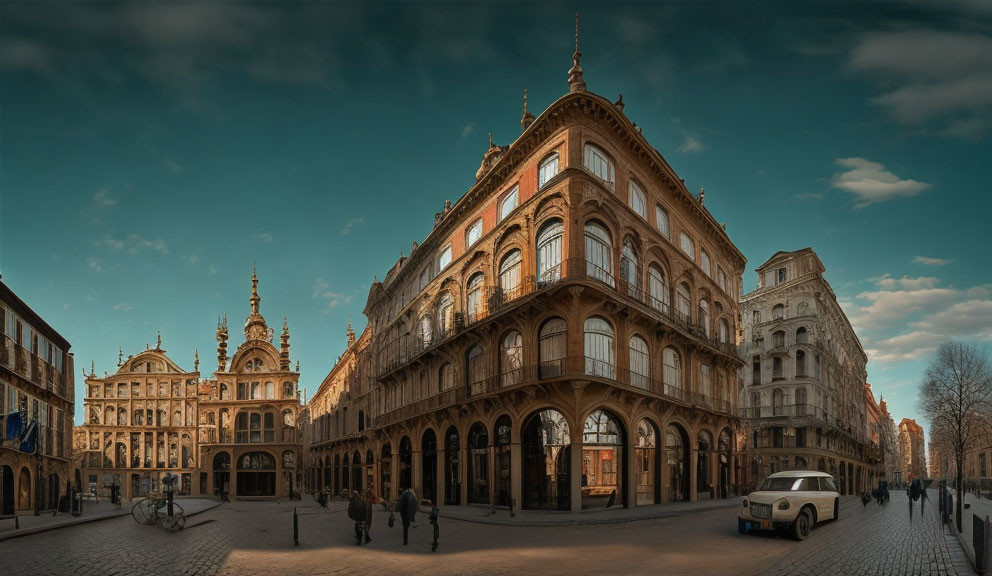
<point x="150" y="153"/>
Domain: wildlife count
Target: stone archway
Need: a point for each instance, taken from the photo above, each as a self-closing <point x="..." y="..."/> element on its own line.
<point x="546" y="446"/>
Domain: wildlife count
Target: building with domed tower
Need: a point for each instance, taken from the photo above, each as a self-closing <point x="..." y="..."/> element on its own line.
<point x="563" y="339"/>
<point x="249" y="443"/>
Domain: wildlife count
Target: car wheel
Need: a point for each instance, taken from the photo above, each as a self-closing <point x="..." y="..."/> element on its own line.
<point x="836" y="508"/>
<point x="802" y="525"/>
<point x="741" y="529"/>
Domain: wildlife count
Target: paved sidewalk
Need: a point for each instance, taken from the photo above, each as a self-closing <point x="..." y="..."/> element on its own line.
<point x="31" y="524"/>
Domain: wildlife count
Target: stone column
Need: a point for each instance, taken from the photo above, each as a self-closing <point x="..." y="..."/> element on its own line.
<point x="693" y="471"/>
<point x="415" y="475"/>
<point x="629" y="479"/>
<point x="516" y="474"/>
<point x="439" y="470"/>
<point x="575" y="471"/>
<point x="394" y="475"/>
<point x="662" y="454"/>
<point x="463" y="471"/>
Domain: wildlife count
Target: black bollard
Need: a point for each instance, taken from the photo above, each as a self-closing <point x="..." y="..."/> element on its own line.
<point x="296" y="529"/>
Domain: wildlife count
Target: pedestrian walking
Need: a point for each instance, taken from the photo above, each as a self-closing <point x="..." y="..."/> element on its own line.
<point x="434" y="514"/>
<point x="408" y="511"/>
<point x="356" y="511"/>
<point x="367" y="521"/>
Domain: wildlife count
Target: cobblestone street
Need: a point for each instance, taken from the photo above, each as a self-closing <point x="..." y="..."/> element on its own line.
<point x="256" y="538"/>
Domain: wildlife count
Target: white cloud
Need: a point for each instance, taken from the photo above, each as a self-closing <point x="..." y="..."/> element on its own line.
<point x="212" y="269"/>
<point x="123" y="306"/>
<point x="322" y="291"/>
<point x="929" y="75"/>
<point x="691" y="145"/>
<point x="132" y="244"/>
<point x="871" y="182"/>
<point x="94" y="263"/>
<point x="103" y="198"/>
<point x="351" y="225"/>
<point x="173" y="166"/>
<point x="931" y="261"/>
<point x="810" y="196"/>
<point x="265" y="236"/>
<point x="906" y="282"/>
<point x="467" y="130"/>
<point x="191" y="259"/>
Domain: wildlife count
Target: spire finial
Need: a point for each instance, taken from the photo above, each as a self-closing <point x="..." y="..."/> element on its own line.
<point x="490" y="139"/>
<point x="702" y="195"/>
<point x="92" y="368"/>
<point x="254" y="291"/>
<point x="120" y="356"/>
<point x="158" y="340"/>
<point x="575" y="81"/>
<point x="527" y="119"/>
<point x="196" y="360"/>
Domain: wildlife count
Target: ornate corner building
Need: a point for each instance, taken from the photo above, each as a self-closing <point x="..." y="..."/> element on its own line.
<point x="36" y="409"/>
<point x="805" y="386"/>
<point x="234" y="433"/>
<point x="912" y="450"/>
<point x="563" y="339"/>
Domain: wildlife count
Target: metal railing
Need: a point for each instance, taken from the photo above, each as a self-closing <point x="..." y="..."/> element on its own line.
<point x="786" y="410"/>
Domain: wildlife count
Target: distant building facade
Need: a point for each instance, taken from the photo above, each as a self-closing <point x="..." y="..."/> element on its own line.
<point x="36" y="410"/>
<point x="805" y="396"/>
<point x="912" y="450"/>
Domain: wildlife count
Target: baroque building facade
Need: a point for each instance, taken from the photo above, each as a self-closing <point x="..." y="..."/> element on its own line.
<point x="912" y="450"/>
<point x="36" y="409"/>
<point x="235" y="433"/>
<point x="563" y="339"/>
<point x="805" y="382"/>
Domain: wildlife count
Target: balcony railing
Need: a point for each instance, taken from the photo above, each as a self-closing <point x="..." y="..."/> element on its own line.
<point x="787" y="410"/>
<point x="571" y="368"/>
<point x="403" y="349"/>
<point x="30" y="366"/>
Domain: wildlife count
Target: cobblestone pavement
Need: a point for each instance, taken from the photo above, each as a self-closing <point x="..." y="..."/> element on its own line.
<point x="256" y="538"/>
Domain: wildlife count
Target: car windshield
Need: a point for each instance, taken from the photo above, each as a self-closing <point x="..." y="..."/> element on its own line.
<point x="785" y="484"/>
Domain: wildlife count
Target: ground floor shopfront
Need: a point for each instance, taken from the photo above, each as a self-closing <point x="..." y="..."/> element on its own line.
<point x="259" y="471"/>
<point x="853" y="476"/>
<point x="32" y="483"/>
<point x="571" y="447"/>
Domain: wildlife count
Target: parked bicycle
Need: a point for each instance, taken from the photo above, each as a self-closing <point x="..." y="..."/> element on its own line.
<point x="150" y="510"/>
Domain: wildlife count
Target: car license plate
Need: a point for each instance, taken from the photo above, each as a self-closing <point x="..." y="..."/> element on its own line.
<point x="765" y="525"/>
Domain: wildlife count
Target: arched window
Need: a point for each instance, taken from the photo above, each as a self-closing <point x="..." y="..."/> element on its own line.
<point x="444" y="258"/>
<point x="800" y="401"/>
<point x="445" y="315"/>
<point x="778" y="312"/>
<point x="800" y="364"/>
<point x="684" y="301"/>
<point x="802" y="308"/>
<point x="425" y="332"/>
<point x="778" y="402"/>
<point x="446" y="377"/>
<point x="473" y="298"/>
<point x="705" y="381"/>
<point x="599" y="347"/>
<point x="688" y="246"/>
<point x="509" y="203"/>
<point x="661" y="220"/>
<point x="778" y="338"/>
<point x="658" y="289"/>
<point x="475" y="370"/>
<point x="552" y="347"/>
<point x="756" y="370"/>
<point x="547" y="170"/>
<point x="225" y="392"/>
<point x="549" y="252"/>
<point x="724" y="331"/>
<point x="801" y="335"/>
<point x="640" y="363"/>
<point x="509" y="274"/>
<point x="704" y="262"/>
<point x="777" y="368"/>
<point x="599" y="253"/>
<point x="704" y="317"/>
<point x="512" y="358"/>
<point x="672" y="373"/>
<point x="596" y="161"/>
<point x="637" y="200"/>
<point x="270" y="390"/>
<point x="241" y="428"/>
<point x="256" y="391"/>
<point x="473" y="233"/>
<point x="629" y="271"/>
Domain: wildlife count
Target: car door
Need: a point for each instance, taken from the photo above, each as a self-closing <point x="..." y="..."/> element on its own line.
<point x="825" y="500"/>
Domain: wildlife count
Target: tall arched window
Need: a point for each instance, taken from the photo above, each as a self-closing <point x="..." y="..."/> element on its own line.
<point x="596" y="161"/>
<point x="687" y="245"/>
<point x="705" y="381"/>
<point x="802" y="337"/>
<point x="704" y="262"/>
<point x="724" y="331"/>
<point x="509" y="203"/>
<point x="778" y="402"/>
<point x="637" y="200"/>
<point x="547" y="170"/>
<point x="549" y="240"/>
<point x="475" y="370"/>
<point x="446" y="377"/>
<point x="658" y="289"/>
<point x="684" y="301"/>
<point x="552" y="347"/>
<point x="270" y="390"/>
<point x="599" y="351"/>
<point x="778" y="312"/>
<point x="509" y="274"/>
<point x="425" y="331"/>
<point x="704" y="317"/>
<point x="473" y="233"/>
<point x="800" y="364"/>
<point x="800" y="401"/>
<point x="473" y="298"/>
<point x="445" y="315"/>
<point x="661" y="220"/>
<point x="629" y="271"/>
<point x="640" y="363"/>
<point x="672" y="372"/>
<point x="599" y="253"/>
<point x="778" y="338"/>
<point x="512" y="358"/>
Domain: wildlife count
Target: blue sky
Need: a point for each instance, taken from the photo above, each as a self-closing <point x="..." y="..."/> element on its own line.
<point x="150" y="153"/>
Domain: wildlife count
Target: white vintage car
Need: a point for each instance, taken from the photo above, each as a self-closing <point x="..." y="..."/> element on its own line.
<point x="790" y="501"/>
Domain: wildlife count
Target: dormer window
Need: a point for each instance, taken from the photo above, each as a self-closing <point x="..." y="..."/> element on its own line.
<point x="547" y="170"/>
<point x="445" y="258"/>
<point x="509" y="203"/>
<point x="596" y="161"/>
<point x="473" y="233"/>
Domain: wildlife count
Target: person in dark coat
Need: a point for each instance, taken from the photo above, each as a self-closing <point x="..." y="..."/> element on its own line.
<point x="408" y="511"/>
<point x="367" y="520"/>
<point x="434" y="514"/>
<point x="356" y="511"/>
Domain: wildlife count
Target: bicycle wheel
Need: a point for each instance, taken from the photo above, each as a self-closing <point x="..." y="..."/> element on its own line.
<point x="176" y="521"/>
<point x="143" y="512"/>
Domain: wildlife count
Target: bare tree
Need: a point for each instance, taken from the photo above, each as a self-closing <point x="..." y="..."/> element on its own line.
<point x="956" y="395"/>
